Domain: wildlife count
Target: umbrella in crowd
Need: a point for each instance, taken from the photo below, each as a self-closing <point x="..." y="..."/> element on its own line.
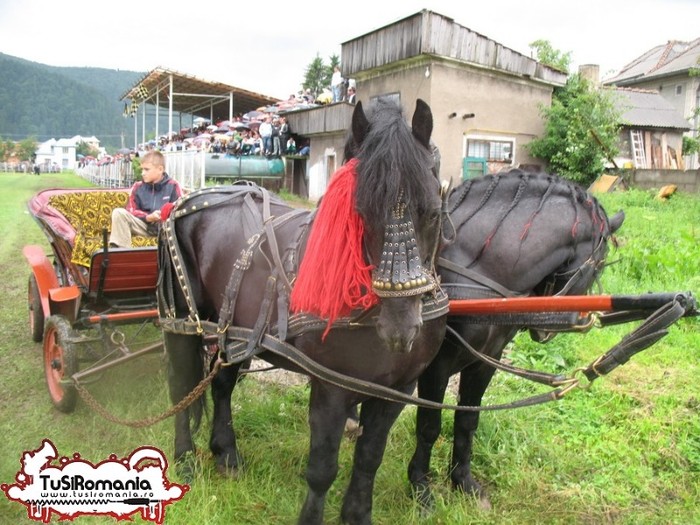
<point x="253" y="115"/>
<point x="201" y="140"/>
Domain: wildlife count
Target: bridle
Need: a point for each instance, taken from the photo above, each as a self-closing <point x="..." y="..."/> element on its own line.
<point x="400" y="271"/>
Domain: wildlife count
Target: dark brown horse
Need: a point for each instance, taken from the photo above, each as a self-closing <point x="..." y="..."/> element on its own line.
<point x="514" y="234"/>
<point x="228" y="256"/>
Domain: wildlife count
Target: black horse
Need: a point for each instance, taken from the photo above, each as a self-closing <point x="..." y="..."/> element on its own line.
<point x="515" y="234"/>
<point x="208" y="293"/>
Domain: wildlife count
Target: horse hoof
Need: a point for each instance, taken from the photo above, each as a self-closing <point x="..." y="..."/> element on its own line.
<point x="472" y="488"/>
<point x="227" y="471"/>
<point x="484" y="503"/>
<point x="353" y="430"/>
<point x="424" y="497"/>
<point x="227" y="468"/>
<point x="186" y="468"/>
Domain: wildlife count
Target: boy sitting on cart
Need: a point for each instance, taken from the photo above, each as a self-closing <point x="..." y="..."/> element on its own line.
<point x="142" y="213"/>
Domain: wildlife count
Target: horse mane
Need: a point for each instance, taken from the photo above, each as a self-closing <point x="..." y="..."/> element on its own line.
<point x="391" y="164"/>
<point x="548" y="185"/>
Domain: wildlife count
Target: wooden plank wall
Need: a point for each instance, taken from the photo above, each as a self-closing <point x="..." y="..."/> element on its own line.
<point x="433" y="34"/>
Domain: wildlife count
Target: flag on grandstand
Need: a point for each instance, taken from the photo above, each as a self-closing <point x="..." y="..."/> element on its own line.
<point x="141" y="92"/>
<point x="130" y="110"/>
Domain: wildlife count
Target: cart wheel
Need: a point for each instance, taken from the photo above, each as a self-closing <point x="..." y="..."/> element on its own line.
<point x="60" y="363"/>
<point x="36" y="312"/>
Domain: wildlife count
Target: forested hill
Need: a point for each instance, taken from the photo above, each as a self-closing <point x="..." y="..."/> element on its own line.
<point x="46" y="102"/>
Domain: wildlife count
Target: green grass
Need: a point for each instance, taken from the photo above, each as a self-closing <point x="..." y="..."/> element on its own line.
<point x="627" y="451"/>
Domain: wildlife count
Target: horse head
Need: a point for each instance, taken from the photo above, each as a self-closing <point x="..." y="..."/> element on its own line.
<point x="590" y="235"/>
<point x="398" y="197"/>
<point x="534" y="234"/>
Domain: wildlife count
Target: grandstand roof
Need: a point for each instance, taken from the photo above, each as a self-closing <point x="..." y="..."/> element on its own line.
<point x="195" y="96"/>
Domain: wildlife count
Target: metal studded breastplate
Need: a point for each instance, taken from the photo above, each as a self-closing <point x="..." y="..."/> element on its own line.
<point x="400" y="272"/>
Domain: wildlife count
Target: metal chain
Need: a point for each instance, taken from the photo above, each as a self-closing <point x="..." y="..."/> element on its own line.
<point x="175" y="409"/>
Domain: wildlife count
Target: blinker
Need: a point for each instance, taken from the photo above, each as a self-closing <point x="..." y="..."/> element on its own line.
<point x="399" y="272"/>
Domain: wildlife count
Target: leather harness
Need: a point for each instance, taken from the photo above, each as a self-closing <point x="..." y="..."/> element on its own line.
<point x="238" y="343"/>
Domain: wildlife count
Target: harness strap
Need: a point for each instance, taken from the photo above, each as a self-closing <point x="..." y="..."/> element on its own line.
<point x="543" y="378"/>
<point x="228" y="305"/>
<point x="433" y="307"/>
<point x="292" y="354"/>
<point x="551" y="321"/>
<point x="645" y="335"/>
<point x="272" y="240"/>
<point x="261" y="324"/>
<point x="474" y="276"/>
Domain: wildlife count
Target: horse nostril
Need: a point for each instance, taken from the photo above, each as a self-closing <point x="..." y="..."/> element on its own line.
<point x="400" y="341"/>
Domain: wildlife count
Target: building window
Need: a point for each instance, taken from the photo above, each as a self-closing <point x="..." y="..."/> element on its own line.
<point x="679" y="90"/>
<point x="65" y="151"/>
<point x="491" y="149"/>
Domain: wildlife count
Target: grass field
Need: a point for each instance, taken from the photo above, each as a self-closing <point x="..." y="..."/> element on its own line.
<point x="627" y="451"/>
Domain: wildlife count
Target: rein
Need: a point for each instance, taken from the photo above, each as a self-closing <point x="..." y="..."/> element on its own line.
<point x="238" y="344"/>
<point x="647" y="334"/>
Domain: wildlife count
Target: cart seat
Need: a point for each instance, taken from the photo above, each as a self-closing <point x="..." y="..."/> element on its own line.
<point x="89" y="213"/>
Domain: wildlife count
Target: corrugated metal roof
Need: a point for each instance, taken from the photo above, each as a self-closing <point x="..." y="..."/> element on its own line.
<point x="647" y="109"/>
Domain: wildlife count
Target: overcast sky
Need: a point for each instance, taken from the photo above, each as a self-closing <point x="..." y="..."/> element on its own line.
<point x="265" y="46"/>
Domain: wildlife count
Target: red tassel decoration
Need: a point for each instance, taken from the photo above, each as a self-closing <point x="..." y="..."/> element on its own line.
<point x="333" y="277"/>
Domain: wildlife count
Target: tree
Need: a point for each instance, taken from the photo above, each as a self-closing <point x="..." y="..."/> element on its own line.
<point x="318" y="74"/>
<point x="335" y="61"/>
<point x="6" y="149"/>
<point x="26" y="149"/>
<point x="314" y="77"/>
<point x="691" y="145"/>
<point x="549" y="56"/>
<point x="581" y="131"/>
<point x="85" y="149"/>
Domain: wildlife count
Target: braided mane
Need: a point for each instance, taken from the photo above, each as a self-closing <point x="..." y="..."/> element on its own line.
<point x="517" y="183"/>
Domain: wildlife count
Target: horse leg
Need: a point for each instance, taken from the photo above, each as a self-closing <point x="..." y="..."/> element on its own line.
<point x="472" y="385"/>
<point x="377" y="417"/>
<point x="328" y="409"/>
<point x="222" y="442"/>
<point x="185" y="371"/>
<point x="432" y="385"/>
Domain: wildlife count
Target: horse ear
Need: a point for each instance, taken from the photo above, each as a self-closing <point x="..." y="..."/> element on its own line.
<point x="616" y="221"/>
<point x="360" y="124"/>
<point x="422" y="123"/>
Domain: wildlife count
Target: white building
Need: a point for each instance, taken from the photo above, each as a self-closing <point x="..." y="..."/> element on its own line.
<point x="60" y="153"/>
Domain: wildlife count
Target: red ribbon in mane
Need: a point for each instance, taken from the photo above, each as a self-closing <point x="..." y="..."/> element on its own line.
<point x="333" y="277"/>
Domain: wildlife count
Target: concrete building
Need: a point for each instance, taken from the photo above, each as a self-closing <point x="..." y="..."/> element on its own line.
<point x="485" y="97"/>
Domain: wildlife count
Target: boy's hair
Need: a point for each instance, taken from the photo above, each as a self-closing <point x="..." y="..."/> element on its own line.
<point x="154" y="157"/>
